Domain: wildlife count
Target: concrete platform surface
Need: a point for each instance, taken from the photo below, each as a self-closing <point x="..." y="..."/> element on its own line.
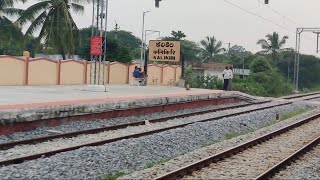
<point x="13" y="97"/>
<point x="27" y="107"/>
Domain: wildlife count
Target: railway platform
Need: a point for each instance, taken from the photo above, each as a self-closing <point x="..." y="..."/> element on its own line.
<point x="26" y="107"/>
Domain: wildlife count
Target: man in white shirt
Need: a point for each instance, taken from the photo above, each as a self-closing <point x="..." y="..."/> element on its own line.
<point x="226" y="77"/>
<point x="230" y="78"/>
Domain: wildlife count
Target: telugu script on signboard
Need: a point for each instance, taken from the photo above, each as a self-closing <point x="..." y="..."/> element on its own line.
<point x="164" y="51"/>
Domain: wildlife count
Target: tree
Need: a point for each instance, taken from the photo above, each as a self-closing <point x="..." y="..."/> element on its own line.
<point x="260" y="64"/>
<point x="175" y="36"/>
<point x="128" y="40"/>
<point x="239" y="51"/>
<point x="116" y="49"/>
<point x="211" y="47"/>
<point x="273" y="44"/>
<point x="10" y="34"/>
<point x="57" y="27"/>
<point x="190" y="49"/>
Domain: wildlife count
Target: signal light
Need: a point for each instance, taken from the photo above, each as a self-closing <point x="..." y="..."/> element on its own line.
<point x="266" y="1"/>
<point x="157" y="3"/>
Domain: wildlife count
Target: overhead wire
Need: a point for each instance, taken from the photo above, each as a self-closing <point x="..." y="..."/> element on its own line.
<point x="265" y="19"/>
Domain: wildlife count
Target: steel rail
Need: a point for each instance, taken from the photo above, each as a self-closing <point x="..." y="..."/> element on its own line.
<point x="287" y="161"/>
<point x="102" y="142"/>
<point x="302" y="95"/>
<point x="9" y="145"/>
<point x="179" y="173"/>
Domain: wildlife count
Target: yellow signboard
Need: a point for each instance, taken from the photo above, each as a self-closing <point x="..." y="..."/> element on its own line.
<point x="168" y="51"/>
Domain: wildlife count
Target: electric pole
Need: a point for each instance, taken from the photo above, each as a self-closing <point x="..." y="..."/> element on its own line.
<point x="116" y="30"/>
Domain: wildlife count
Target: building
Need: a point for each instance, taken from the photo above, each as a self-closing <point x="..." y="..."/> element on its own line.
<point x="209" y="69"/>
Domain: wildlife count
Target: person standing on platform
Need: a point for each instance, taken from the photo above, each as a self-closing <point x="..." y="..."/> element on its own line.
<point x="226" y="77"/>
<point x="230" y="78"/>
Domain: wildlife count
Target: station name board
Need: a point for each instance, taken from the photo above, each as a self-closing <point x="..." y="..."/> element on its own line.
<point x="168" y="51"/>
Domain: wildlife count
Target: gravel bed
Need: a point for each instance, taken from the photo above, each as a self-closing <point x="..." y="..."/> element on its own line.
<point x="83" y="125"/>
<point x="136" y="154"/>
<point x="266" y="155"/>
<point x="307" y="167"/>
<point x="55" y="144"/>
<point x="188" y="158"/>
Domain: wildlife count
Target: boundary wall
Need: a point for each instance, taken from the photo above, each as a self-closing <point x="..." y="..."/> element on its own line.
<point x="41" y="71"/>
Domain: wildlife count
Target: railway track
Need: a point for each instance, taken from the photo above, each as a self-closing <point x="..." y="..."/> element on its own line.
<point x="303" y="95"/>
<point x="271" y="153"/>
<point x="9" y="145"/>
<point x="105" y="141"/>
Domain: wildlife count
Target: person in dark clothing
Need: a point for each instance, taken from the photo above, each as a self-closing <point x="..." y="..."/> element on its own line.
<point x="136" y="72"/>
<point x="141" y="75"/>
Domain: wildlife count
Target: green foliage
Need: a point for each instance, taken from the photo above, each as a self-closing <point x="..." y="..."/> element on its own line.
<point x="234" y="135"/>
<point x="190" y="49"/>
<point x="117" y="49"/>
<point x="211" y="47"/>
<point x="260" y="64"/>
<point x="56" y="24"/>
<point x="199" y="81"/>
<point x="175" y="36"/>
<point x="114" y="176"/>
<point x="161" y="161"/>
<point x="11" y="37"/>
<point x="263" y="81"/>
<point x="273" y="45"/>
<point x="309" y="69"/>
<point x="293" y="114"/>
<point x="210" y="143"/>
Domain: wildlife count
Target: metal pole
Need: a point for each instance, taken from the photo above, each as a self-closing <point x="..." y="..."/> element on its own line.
<point x="295" y="61"/>
<point x="92" y="33"/>
<point x="145" y="45"/>
<point x="95" y="59"/>
<point x="243" y="69"/>
<point x="141" y="58"/>
<point x="100" y="34"/>
<point x="105" y="43"/>
<point x="317" y="42"/>
<point x="298" y="62"/>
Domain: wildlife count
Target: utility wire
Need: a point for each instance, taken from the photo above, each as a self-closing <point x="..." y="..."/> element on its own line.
<point x="263" y="18"/>
<point x="277" y="12"/>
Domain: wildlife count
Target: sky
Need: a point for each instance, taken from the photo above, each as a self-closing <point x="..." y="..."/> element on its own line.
<point x="201" y="18"/>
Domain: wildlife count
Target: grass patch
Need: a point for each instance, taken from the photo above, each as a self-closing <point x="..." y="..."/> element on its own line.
<point x="233" y="135"/>
<point x="293" y="114"/>
<point x="161" y="161"/>
<point x="114" y="176"/>
<point x="210" y="143"/>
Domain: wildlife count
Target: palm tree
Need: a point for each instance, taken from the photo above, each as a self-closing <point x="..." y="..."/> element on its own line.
<point x="273" y="44"/>
<point x="10" y="33"/>
<point x="211" y="47"/>
<point x="54" y="19"/>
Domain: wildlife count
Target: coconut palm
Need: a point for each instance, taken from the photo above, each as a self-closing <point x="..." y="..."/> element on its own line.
<point x="54" y="19"/>
<point x="273" y="44"/>
<point x="10" y="33"/>
<point x="211" y="47"/>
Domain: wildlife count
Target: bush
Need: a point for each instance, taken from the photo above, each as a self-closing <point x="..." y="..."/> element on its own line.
<point x="260" y="64"/>
<point x="263" y="84"/>
<point x="204" y="82"/>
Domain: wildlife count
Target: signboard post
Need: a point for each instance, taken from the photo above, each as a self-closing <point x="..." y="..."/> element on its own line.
<point x="165" y="51"/>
